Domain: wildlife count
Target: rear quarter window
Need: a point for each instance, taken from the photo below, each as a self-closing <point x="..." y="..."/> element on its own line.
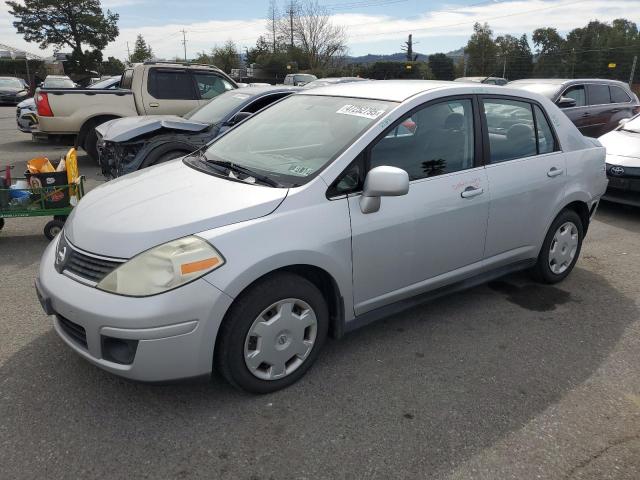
<point x="618" y="95"/>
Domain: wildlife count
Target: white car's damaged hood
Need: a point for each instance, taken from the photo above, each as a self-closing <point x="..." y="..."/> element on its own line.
<point x="126" y="216"/>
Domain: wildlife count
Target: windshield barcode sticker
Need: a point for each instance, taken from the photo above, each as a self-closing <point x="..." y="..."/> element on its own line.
<point x="361" y="111"/>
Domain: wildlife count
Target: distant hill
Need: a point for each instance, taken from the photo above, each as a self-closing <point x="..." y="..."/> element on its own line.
<point x="399" y="57"/>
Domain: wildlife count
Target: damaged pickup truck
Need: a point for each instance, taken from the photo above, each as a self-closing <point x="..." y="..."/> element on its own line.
<point x="129" y="144"/>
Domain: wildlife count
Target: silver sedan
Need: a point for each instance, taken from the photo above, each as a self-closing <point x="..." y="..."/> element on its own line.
<point x="326" y="211"/>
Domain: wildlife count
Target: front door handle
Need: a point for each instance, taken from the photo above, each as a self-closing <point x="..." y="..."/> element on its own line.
<point x="587" y="114"/>
<point x="554" y="172"/>
<point x="471" y="192"/>
<point x="154" y="104"/>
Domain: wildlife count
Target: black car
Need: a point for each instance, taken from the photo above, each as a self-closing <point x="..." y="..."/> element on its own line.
<point x="595" y="106"/>
<point x="13" y="90"/>
<point x="129" y="144"/>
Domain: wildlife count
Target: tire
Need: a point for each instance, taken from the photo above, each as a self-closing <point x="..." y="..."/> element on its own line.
<point x="163" y="154"/>
<point x="1" y="223"/>
<point x="52" y="228"/>
<point x="90" y="143"/>
<point x="237" y="344"/>
<point x="561" y="248"/>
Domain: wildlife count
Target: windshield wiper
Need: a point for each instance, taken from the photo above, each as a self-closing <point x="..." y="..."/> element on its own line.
<point x="245" y="171"/>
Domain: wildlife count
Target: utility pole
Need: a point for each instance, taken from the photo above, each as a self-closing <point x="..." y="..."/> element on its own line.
<point x="633" y="69"/>
<point x="26" y="62"/>
<point x="292" y="6"/>
<point x="184" y="43"/>
<point x="128" y="54"/>
<point x="504" y="67"/>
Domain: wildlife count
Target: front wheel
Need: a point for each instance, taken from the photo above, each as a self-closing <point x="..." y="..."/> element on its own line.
<point x="561" y="248"/>
<point x="272" y="334"/>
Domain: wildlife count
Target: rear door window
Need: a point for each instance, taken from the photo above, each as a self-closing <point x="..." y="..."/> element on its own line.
<point x="577" y="93"/>
<point x="165" y="84"/>
<point x="599" y="95"/>
<point x="618" y="95"/>
<point x="510" y="129"/>
<point x="211" y="85"/>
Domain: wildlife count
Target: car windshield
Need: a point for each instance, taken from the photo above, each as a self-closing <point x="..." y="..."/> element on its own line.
<point x="108" y="83"/>
<point x="10" y="83"/>
<point x="632" y="125"/>
<point x="295" y="139"/>
<point x="58" y="83"/>
<point x="218" y="108"/>
<point x="549" y="90"/>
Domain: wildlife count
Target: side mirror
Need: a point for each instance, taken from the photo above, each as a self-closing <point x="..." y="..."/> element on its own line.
<point x="566" y="102"/>
<point x="623" y="121"/>
<point x="239" y="117"/>
<point x="382" y="182"/>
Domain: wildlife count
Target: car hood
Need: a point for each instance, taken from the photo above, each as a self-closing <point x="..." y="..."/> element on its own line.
<point x="133" y="213"/>
<point x="623" y="144"/>
<point x="128" y="128"/>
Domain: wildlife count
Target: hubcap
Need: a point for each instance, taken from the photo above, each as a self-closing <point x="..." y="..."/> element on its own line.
<point x="563" y="248"/>
<point x="280" y="339"/>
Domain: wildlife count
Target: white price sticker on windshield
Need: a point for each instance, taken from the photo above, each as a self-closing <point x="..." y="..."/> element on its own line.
<point x="361" y="111"/>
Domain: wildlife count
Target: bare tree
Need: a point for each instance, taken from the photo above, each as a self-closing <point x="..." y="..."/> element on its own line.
<point x="273" y="23"/>
<point x="316" y="35"/>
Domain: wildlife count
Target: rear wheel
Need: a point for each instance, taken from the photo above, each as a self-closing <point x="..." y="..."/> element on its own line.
<point x="272" y="334"/>
<point x="1" y="223"/>
<point x="90" y="143"/>
<point x="561" y="248"/>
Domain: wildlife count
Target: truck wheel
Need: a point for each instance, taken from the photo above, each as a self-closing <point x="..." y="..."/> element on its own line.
<point x="53" y="228"/>
<point x="1" y="223"/>
<point x="272" y="334"/>
<point x="90" y="143"/>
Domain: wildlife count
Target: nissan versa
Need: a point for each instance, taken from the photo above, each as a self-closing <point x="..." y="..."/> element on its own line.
<point x="318" y="215"/>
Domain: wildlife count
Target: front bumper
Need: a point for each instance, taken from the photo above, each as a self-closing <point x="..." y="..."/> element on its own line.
<point x="623" y="188"/>
<point x="26" y="120"/>
<point x="174" y="332"/>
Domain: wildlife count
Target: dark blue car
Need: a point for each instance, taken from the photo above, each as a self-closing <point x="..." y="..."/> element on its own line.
<point x="129" y="144"/>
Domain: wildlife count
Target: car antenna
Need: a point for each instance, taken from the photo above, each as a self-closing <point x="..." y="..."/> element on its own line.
<point x="487" y="78"/>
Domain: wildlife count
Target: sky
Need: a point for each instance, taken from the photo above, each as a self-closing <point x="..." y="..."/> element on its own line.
<point x="373" y="26"/>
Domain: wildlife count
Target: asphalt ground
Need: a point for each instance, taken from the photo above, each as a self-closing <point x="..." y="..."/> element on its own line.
<point x="510" y="380"/>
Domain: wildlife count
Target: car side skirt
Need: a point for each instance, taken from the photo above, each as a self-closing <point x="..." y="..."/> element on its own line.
<point x="406" y="304"/>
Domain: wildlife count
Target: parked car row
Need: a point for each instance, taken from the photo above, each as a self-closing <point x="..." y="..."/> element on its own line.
<point x="329" y="209"/>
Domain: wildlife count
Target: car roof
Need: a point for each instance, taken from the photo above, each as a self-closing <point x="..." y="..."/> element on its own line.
<point x="392" y="90"/>
<point x="561" y="81"/>
<point x="260" y="90"/>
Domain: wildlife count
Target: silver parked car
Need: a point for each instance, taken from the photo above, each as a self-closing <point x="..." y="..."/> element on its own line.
<point x="328" y="210"/>
<point x="623" y="162"/>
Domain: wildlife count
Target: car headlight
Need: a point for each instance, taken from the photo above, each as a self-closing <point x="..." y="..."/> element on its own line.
<point x="22" y="93"/>
<point x="163" y="268"/>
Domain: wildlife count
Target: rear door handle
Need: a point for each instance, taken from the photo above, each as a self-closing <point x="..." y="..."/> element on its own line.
<point x="585" y="115"/>
<point x="154" y="104"/>
<point x="615" y="110"/>
<point x="554" y="172"/>
<point x="471" y="192"/>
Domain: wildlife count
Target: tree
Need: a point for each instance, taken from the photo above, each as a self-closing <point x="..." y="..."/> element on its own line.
<point x="481" y="51"/>
<point x="550" y="50"/>
<point x="226" y="57"/>
<point x="320" y="40"/>
<point x="273" y="21"/>
<point x="141" y="51"/>
<point x="112" y="66"/>
<point x="67" y="23"/>
<point x="262" y="48"/>
<point x="515" y="59"/>
<point x="441" y="66"/>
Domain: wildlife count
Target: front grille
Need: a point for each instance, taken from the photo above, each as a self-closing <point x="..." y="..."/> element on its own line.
<point x="88" y="267"/>
<point x="73" y="330"/>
